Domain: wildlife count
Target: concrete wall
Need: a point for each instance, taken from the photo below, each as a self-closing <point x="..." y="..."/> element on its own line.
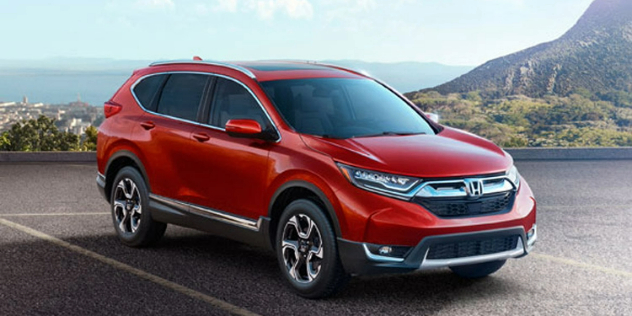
<point x="621" y="153"/>
<point x="48" y="156"/>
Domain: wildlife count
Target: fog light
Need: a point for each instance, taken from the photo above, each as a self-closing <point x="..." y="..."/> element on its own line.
<point x="385" y="250"/>
<point x="532" y="236"/>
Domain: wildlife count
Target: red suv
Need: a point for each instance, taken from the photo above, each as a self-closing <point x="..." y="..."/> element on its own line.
<point x="335" y="171"/>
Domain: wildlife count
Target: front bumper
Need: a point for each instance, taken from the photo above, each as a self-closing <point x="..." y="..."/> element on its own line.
<point x="357" y="259"/>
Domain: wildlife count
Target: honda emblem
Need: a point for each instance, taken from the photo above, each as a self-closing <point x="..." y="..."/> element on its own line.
<point x="474" y="187"/>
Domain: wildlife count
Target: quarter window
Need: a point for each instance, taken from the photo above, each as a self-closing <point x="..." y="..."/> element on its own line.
<point x="146" y="91"/>
<point x="233" y="101"/>
<point x="181" y="96"/>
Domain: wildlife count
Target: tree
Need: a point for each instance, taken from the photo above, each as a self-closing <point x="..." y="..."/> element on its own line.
<point x="39" y="134"/>
<point x="90" y="140"/>
<point x="4" y="141"/>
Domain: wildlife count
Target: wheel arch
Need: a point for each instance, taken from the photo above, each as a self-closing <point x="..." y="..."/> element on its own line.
<point x="299" y="189"/>
<point x="118" y="160"/>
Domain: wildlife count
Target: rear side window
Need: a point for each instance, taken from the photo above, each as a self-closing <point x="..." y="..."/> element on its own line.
<point x="146" y="91"/>
<point x="233" y="101"/>
<point x="181" y="96"/>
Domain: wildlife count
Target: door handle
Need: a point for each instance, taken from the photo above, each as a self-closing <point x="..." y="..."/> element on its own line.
<point x="201" y="137"/>
<point x="148" y="125"/>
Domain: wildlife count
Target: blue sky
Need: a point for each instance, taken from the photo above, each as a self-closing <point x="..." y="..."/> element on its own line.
<point x="457" y="32"/>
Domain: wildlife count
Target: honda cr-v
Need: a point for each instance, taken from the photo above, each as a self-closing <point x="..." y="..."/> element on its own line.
<point x="335" y="171"/>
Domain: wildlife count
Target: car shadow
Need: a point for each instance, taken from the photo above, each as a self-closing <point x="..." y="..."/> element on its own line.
<point x="249" y="277"/>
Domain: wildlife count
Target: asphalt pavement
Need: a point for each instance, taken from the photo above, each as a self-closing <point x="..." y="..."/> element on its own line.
<point x="59" y="256"/>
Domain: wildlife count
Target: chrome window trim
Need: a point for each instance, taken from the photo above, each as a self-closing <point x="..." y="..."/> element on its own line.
<point x="209" y="212"/>
<point x="206" y="62"/>
<point x="198" y="123"/>
<point x="518" y="251"/>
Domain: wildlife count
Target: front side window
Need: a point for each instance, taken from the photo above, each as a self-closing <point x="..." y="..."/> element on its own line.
<point x="181" y="96"/>
<point x="344" y="108"/>
<point x="233" y="101"/>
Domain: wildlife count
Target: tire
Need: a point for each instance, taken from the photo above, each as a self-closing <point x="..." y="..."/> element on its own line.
<point x="306" y="251"/>
<point x="479" y="270"/>
<point x="130" y="210"/>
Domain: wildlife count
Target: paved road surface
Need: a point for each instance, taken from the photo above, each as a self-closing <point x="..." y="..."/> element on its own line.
<point x="59" y="255"/>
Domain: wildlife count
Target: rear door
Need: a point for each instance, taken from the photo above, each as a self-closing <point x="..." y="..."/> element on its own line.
<point x="166" y="131"/>
<point x="231" y="173"/>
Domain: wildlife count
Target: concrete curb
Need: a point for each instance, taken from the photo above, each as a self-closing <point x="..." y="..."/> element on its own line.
<point x="621" y="153"/>
<point x="49" y="156"/>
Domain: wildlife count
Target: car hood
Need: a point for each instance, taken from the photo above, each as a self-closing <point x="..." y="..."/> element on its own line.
<point x="450" y="153"/>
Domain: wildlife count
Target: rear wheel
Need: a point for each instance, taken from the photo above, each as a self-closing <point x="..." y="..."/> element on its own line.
<point x="306" y="251"/>
<point x="130" y="212"/>
<point x="479" y="270"/>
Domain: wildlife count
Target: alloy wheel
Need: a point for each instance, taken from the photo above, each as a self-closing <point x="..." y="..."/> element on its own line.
<point x="127" y="206"/>
<point x="302" y="248"/>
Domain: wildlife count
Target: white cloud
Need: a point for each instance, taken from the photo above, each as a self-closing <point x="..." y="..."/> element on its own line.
<point x="264" y="9"/>
<point x="295" y="9"/>
<point x="226" y="6"/>
<point x="155" y="4"/>
<point x="516" y="3"/>
<point x="344" y="9"/>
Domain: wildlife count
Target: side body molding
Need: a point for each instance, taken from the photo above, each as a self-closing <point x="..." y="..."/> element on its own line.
<point x="216" y="222"/>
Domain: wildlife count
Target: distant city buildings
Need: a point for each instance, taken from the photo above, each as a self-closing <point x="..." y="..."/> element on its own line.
<point x="72" y="117"/>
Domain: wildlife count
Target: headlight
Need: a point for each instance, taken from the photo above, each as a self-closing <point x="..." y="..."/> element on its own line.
<point x="514" y="176"/>
<point x="378" y="182"/>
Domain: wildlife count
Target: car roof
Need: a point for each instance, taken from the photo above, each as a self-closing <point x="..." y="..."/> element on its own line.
<point x="276" y="70"/>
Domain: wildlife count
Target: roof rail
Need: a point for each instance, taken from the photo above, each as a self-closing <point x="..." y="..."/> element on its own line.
<point x="206" y="62"/>
<point x="361" y="73"/>
<point x="357" y="72"/>
<point x="351" y="70"/>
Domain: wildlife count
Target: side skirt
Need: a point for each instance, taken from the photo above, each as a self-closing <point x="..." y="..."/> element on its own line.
<point x="216" y="222"/>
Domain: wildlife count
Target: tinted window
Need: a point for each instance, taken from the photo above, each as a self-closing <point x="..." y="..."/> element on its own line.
<point x="233" y="101"/>
<point x="181" y="95"/>
<point x="344" y="108"/>
<point x="146" y="91"/>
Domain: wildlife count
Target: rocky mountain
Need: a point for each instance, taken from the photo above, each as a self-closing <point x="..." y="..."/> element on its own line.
<point x="596" y="54"/>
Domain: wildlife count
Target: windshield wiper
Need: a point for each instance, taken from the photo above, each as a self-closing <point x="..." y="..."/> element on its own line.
<point x="390" y="133"/>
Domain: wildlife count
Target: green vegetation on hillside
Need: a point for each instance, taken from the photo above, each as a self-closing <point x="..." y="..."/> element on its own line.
<point x="41" y="134"/>
<point x="581" y="119"/>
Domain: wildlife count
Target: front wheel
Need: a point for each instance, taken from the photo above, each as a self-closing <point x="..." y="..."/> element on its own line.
<point x="130" y="210"/>
<point x="479" y="270"/>
<point x="306" y="251"/>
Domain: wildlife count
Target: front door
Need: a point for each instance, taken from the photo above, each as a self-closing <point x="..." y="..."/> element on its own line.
<point x="230" y="173"/>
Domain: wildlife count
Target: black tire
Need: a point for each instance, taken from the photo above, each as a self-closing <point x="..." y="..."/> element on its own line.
<point x="479" y="270"/>
<point x="146" y="231"/>
<point x="330" y="276"/>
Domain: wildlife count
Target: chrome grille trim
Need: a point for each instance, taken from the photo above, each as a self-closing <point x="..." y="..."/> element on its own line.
<point x="458" y="188"/>
<point x="518" y="251"/>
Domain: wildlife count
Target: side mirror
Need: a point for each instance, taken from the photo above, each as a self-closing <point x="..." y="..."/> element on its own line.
<point x="433" y="117"/>
<point x="247" y="128"/>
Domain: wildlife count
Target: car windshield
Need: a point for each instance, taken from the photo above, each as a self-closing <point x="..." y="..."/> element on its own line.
<point x="344" y="108"/>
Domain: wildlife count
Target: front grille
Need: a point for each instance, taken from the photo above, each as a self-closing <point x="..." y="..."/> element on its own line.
<point x="472" y="248"/>
<point x="463" y="207"/>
